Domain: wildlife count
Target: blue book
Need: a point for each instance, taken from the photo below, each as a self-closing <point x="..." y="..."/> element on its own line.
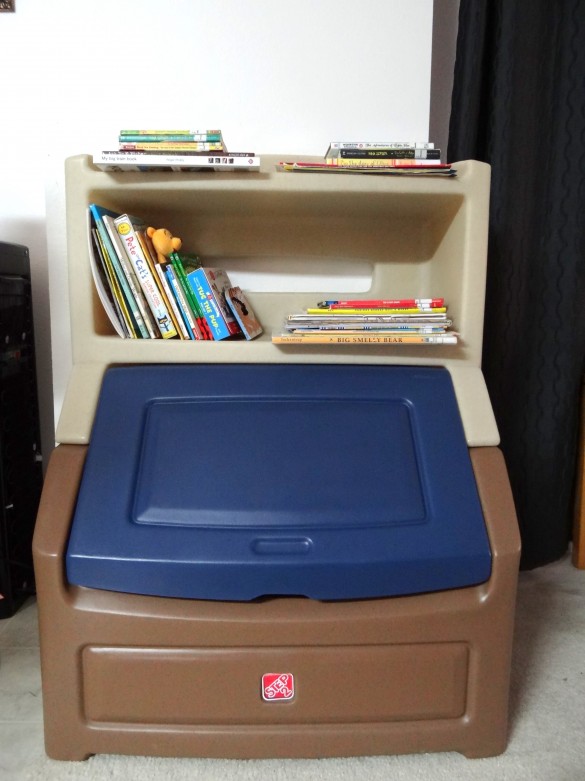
<point x="208" y="285"/>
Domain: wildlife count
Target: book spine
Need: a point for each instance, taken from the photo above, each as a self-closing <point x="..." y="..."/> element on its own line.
<point x="155" y="150"/>
<point x="382" y="303"/>
<point x="178" y="316"/>
<point x="209" y="305"/>
<point x="381" y="144"/>
<point x="359" y="327"/>
<point x="369" y="338"/>
<point x="200" y="323"/>
<point x="415" y="310"/>
<point x="141" y="138"/>
<point x="174" y="146"/>
<point x="181" y="302"/>
<point x="123" y="161"/>
<point x="145" y="276"/>
<point x="385" y="162"/>
<point x="368" y="154"/>
<point x="203" y="133"/>
<point x="336" y="146"/>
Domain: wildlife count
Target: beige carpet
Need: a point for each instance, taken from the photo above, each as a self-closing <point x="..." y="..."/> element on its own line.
<point x="547" y="736"/>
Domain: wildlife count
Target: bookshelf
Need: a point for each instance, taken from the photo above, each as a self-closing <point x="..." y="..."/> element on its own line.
<point x="415" y="236"/>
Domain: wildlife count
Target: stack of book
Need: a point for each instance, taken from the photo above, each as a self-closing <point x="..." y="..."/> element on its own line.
<point x="174" y="150"/>
<point x="403" y="158"/>
<point x="421" y="321"/>
<point x="150" y="295"/>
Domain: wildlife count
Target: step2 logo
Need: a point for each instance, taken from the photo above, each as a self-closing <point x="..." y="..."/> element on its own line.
<point x="278" y="686"/>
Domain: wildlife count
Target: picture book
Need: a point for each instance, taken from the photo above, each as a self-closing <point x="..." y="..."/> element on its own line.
<point x="243" y="312"/>
<point x="209" y="284"/>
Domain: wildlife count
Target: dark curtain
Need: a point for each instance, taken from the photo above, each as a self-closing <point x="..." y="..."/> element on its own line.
<point x="519" y="105"/>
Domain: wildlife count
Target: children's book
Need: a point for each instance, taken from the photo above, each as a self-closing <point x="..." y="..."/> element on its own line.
<point x="243" y="312"/>
<point x="209" y="285"/>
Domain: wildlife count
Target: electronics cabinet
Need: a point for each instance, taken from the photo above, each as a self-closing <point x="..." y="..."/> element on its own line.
<point x="152" y="672"/>
<point x="413" y="237"/>
<point x="20" y="460"/>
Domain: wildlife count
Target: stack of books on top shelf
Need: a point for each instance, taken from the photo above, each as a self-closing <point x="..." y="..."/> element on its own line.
<point x="150" y="291"/>
<point x="174" y="150"/>
<point x="401" y="321"/>
<point x="398" y="158"/>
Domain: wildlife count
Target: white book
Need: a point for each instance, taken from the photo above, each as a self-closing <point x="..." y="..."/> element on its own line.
<point x="147" y="161"/>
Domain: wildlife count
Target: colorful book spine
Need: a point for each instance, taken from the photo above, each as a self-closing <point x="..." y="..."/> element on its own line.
<point x="388" y="162"/>
<point x="415" y="310"/>
<point x="125" y="227"/>
<point x="375" y="303"/>
<point x="368" y="338"/>
<point x="141" y="138"/>
<point x="174" y="146"/>
<point x="200" y="327"/>
<point x="375" y="154"/>
<point x="335" y="146"/>
<point x="199" y="135"/>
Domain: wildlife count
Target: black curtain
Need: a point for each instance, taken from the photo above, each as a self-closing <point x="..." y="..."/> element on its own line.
<point x="519" y="105"/>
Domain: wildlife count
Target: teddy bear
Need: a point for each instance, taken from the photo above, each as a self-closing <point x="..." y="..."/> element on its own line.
<point x="164" y="243"/>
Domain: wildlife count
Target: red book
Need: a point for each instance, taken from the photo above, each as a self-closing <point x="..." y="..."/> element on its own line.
<point x="383" y="303"/>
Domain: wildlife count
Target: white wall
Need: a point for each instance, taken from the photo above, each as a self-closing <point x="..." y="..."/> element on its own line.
<point x="274" y="76"/>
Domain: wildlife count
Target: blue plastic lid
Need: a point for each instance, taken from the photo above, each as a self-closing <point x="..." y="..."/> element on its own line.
<point x="231" y="482"/>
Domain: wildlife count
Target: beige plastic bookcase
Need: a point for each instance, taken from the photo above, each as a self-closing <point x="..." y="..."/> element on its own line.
<point x="136" y="674"/>
<point x="420" y="237"/>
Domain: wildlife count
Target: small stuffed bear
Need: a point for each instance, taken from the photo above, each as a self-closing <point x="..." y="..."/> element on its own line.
<point x="164" y="243"/>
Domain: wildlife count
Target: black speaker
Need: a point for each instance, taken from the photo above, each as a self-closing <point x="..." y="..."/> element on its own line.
<point x="21" y="474"/>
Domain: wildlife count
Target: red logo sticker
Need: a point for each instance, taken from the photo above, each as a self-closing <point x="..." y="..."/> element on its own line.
<point x="278" y="686"/>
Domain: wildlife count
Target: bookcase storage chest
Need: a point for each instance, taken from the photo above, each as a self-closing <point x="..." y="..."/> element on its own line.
<point x="306" y="601"/>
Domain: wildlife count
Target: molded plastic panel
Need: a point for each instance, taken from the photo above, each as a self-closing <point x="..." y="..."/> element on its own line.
<point x="234" y="482"/>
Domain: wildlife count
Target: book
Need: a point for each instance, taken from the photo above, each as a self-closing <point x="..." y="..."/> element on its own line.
<point x="365" y="338"/>
<point x="141" y="136"/>
<point x="125" y="226"/>
<point x="191" y="153"/>
<point x="134" y="320"/>
<point x="440" y="169"/>
<point x="334" y="146"/>
<point x="182" y="305"/>
<point x="129" y="270"/>
<point x="377" y="154"/>
<point x="243" y="312"/>
<point x="119" y="300"/>
<point x="197" y="135"/>
<point x="389" y="162"/>
<point x="209" y="284"/>
<point x="375" y="311"/>
<point x="103" y="281"/>
<point x="172" y="146"/>
<point x="115" y="162"/>
<point x="381" y="303"/>
<point x="199" y="323"/>
<point x="163" y="285"/>
<point x="373" y="326"/>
